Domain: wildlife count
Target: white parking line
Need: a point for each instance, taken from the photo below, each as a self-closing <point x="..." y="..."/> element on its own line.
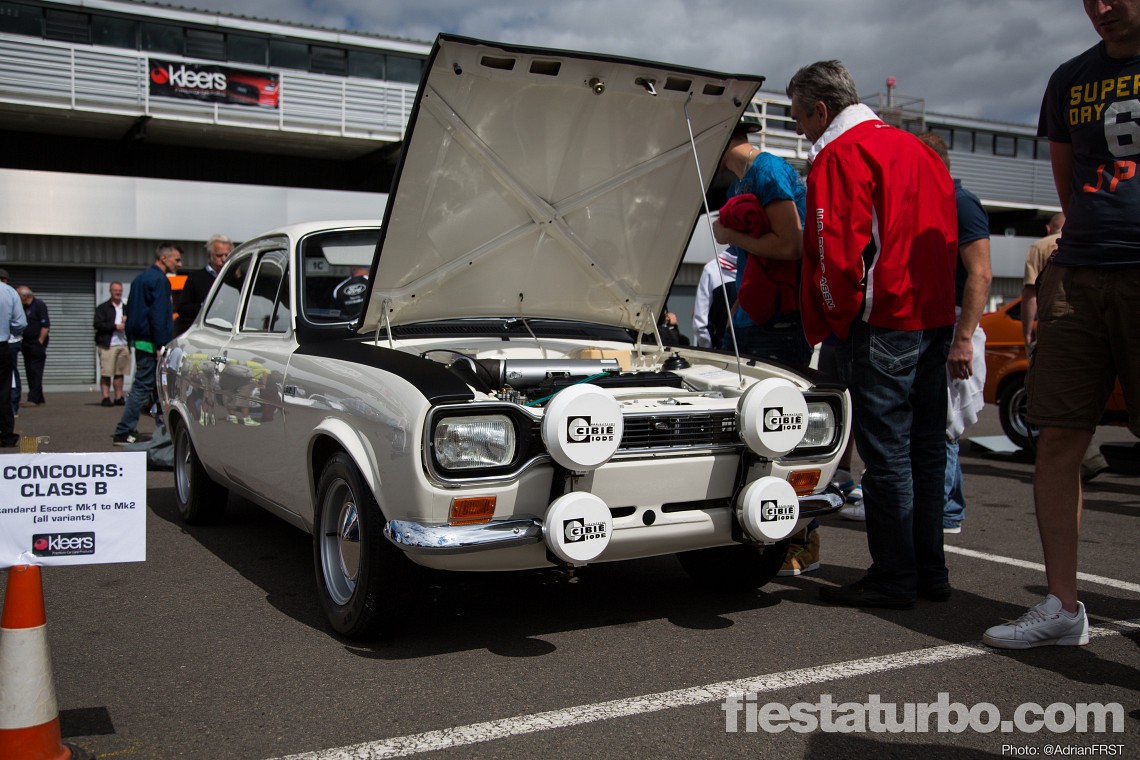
<point x="475" y="733"/>
<point x="1087" y="577"/>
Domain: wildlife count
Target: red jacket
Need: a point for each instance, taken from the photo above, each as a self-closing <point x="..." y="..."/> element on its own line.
<point x="768" y="287"/>
<point x="881" y="239"/>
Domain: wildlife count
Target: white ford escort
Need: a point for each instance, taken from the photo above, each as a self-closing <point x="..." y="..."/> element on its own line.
<point x="478" y="383"/>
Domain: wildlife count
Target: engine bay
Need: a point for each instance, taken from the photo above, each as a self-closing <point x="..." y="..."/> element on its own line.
<point x="533" y="382"/>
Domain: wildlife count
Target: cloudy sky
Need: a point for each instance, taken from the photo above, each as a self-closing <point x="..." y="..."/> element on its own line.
<point x="986" y="58"/>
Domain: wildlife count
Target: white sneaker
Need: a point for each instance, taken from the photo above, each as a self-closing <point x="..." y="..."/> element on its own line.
<point x="853" y="511"/>
<point x="1044" y="625"/>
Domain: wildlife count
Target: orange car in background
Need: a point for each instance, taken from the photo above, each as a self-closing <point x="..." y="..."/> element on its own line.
<point x="177" y="282"/>
<point x="1006" y="365"/>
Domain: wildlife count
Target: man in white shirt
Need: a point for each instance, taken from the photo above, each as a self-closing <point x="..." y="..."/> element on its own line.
<point x="710" y="313"/>
<point x="114" y="351"/>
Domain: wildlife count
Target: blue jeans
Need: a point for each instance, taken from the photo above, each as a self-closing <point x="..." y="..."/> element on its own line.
<point x="781" y="339"/>
<point x="955" y="509"/>
<point x="143" y="393"/>
<point x="897" y="380"/>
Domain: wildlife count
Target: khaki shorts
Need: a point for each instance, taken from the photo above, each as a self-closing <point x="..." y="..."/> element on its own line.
<point x="114" y="361"/>
<point x="1088" y="334"/>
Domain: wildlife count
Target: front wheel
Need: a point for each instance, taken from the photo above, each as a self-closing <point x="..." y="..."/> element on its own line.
<point x="200" y="500"/>
<point x="365" y="584"/>
<point x="1012" y="406"/>
<point x="735" y="569"/>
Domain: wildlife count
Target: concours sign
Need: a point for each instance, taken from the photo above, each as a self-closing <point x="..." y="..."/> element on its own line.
<point x="72" y="509"/>
<point x="213" y="84"/>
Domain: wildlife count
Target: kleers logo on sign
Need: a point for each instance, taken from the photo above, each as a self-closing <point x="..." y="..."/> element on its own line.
<point x="62" y="544"/>
<point x="771" y="511"/>
<point x="211" y="83"/>
<point x="585" y="430"/>
<point x="188" y="79"/>
<point x="775" y="420"/>
<point x="577" y="530"/>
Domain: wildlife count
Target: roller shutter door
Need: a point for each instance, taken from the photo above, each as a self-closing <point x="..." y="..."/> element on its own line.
<point x="70" y="298"/>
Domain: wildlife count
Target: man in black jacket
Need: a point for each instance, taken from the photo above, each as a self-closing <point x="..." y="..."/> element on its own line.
<point x="35" y="343"/>
<point x="114" y="352"/>
<point x="199" y="282"/>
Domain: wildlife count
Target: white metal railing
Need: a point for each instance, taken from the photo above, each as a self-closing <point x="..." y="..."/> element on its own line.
<point x="778" y="134"/>
<point x="44" y="73"/>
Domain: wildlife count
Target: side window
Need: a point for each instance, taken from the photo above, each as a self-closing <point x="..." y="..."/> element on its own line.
<point x="268" y="307"/>
<point x="227" y="294"/>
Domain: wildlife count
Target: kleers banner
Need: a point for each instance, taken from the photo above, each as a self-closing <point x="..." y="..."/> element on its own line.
<point x="213" y="84"/>
<point x="72" y="509"/>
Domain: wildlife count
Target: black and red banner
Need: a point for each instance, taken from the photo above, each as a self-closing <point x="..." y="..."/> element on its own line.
<point x="213" y="84"/>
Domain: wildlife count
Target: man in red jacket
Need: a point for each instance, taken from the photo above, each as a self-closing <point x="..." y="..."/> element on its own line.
<point x="880" y="245"/>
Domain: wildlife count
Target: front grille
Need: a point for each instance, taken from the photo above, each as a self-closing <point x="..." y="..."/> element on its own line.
<point x="680" y="431"/>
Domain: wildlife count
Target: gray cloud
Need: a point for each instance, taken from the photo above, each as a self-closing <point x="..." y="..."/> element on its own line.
<point x="968" y="57"/>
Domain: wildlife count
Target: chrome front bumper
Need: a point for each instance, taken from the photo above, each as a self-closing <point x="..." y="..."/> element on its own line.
<point x="415" y="538"/>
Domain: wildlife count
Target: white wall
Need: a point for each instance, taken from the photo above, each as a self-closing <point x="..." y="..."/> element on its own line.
<point x="86" y="205"/>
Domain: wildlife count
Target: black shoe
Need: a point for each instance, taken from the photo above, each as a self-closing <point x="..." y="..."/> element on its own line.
<point x="120" y="402"/>
<point x="939" y="592"/>
<point x="123" y="439"/>
<point x="106" y="402"/>
<point x="859" y="594"/>
<point x="9" y="441"/>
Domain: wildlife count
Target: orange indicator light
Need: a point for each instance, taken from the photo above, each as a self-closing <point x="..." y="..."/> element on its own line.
<point x="472" y="510"/>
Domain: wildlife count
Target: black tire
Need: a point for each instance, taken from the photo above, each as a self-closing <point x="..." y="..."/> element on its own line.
<point x="200" y="500"/>
<point x="365" y="584"/>
<point x="735" y="569"/>
<point x="1011" y="412"/>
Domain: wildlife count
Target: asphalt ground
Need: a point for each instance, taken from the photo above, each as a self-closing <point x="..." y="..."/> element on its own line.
<point x="215" y="647"/>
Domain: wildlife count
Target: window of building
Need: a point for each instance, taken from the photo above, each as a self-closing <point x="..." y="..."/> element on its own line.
<point x="244" y="49"/>
<point x="67" y="26"/>
<point x="1005" y="145"/>
<point x="21" y="19"/>
<point x="289" y="55"/>
<point x="779" y="117"/>
<point x="205" y="44"/>
<point x="946" y="134"/>
<point x="983" y="142"/>
<point x="115" y="32"/>
<point x="327" y="60"/>
<point x="162" y="38"/>
<point x="401" y="69"/>
<point x="1025" y="147"/>
<point x="365" y="65"/>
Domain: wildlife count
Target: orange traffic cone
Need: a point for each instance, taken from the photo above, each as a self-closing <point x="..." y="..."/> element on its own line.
<point x="29" y="718"/>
